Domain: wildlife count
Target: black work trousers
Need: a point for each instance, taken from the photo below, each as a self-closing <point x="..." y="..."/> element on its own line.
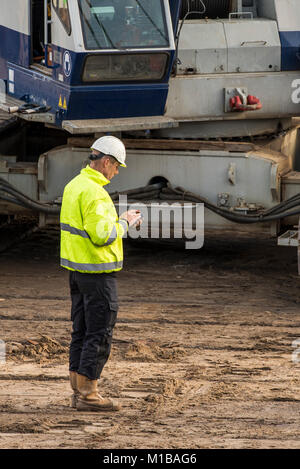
<point x="94" y="313"/>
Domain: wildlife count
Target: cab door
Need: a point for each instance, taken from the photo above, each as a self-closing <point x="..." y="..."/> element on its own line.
<point x="37" y="32"/>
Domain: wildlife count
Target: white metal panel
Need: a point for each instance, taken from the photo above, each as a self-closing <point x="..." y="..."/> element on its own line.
<point x="253" y="45"/>
<point x="202" y="96"/>
<point x="59" y="36"/>
<point x="76" y="34"/>
<point x="224" y="128"/>
<point x="204" y="172"/>
<point x="15" y="14"/>
<point x="169" y="24"/>
<point x="288" y="15"/>
<point x="202" y="47"/>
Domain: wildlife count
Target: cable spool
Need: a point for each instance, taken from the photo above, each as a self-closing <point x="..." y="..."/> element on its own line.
<point x="214" y="8"/>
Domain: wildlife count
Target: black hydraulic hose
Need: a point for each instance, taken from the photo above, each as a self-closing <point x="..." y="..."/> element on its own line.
<point x="166" y="192"/>
<point x="181" y="194"/>
<point x="252" y="218"/>
<point x="139" y="190"/>
<point x="36" y="206"/>
<point x="243" y="219"/>
<point x="5" y="184"/>
<point x="14" y="201"/>
<point x="283" y="215"/>
<point x="10" y="200"/>
<point x="16" y="193"/>
<point x="292" y="200"/>
<point x="222" y="212"/>
<point x="163" y="191"/>
<point x="146" y="192"/>
<point x="24" y="200"/>
<point x="145" y="195"/>
<point x="277" y="210"/>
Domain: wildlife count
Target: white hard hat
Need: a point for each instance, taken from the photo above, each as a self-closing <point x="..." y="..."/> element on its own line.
<point x="112" y="146"/>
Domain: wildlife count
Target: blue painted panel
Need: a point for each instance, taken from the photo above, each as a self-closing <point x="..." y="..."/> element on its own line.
<point x="90" y="102"/>
<point x="38" y="88"/>
<point x="290" y="43"/>
<point x="122" y="101"/>
<point x="15" y="46"/>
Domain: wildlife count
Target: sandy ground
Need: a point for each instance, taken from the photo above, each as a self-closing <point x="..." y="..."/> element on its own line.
<point x="201" y="358"/>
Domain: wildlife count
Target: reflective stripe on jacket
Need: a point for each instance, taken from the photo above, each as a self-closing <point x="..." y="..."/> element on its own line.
<point x="91" y="233"/>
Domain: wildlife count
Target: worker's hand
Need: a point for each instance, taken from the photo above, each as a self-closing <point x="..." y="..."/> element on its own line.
<point x="133" y="217"/>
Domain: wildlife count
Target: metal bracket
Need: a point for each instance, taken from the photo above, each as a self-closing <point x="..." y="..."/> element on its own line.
<point x="262" y="43"/>
<point x="223" y="199"/>
<point x="289" y="238"/>
<point x="242" y="91"/>
<point x="274" y="182"/>
<point x="42" y="171"/>
<point x="232" y="173"/>
<point x="239" y="14"/>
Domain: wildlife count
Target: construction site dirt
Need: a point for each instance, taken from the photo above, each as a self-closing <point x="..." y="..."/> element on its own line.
<point x="204" y="354"/>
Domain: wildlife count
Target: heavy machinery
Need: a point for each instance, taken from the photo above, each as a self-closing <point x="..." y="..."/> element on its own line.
<point x="205" y="94"/>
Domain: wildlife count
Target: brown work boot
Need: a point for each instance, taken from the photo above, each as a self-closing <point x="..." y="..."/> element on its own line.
<point x="89" y="400"/>
<point x="73" y="383"/>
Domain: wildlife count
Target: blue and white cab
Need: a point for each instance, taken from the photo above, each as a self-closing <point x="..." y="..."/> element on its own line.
<point x="88" y="59"/>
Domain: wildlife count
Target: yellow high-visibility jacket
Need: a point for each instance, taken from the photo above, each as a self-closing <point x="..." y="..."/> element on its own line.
<point x="91" y="233"/>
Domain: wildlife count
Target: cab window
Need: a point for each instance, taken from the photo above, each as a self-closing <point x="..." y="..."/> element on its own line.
<point x="123" y="24"/>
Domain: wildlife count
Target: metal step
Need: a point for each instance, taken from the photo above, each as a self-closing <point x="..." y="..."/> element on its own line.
<point x="42" y="68"/>
<point x="9" y="101"/>
<point x="93" y="126"/>
<point x="289" y="238"/>
<point x="6" y="119"/>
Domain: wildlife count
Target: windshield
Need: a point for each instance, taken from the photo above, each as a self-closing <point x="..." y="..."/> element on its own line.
<point x="122" y="24"/>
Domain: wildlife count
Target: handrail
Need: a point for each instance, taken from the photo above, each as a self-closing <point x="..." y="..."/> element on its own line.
<point x="250" y="13"/>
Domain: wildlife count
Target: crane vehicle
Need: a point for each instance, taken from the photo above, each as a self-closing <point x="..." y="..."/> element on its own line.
<point x="206" y="94"/>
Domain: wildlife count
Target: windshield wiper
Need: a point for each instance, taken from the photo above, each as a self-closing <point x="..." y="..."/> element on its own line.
<point x="101" y="26"/>
<point x="151" y="21"/>
<point x="90" y="28"/>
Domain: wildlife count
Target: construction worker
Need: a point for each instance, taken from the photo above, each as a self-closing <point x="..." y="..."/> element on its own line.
<point x="91" y="249"/>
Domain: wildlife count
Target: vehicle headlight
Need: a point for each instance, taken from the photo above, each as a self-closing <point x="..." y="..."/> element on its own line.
<point x="125" y="67"/>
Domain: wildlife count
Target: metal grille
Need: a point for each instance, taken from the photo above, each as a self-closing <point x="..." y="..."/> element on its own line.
<point x="214" y="8"/>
